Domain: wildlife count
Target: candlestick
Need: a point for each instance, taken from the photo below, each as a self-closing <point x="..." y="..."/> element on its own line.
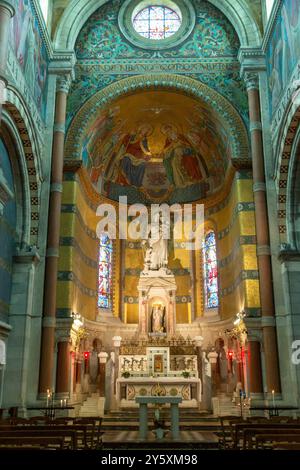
<point x="273" y="396"/>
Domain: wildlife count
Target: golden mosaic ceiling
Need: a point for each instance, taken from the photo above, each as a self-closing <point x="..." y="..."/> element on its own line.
<point x="154" y="143"/>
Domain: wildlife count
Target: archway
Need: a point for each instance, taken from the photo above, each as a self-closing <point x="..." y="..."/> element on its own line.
<point x="78" y="12"/>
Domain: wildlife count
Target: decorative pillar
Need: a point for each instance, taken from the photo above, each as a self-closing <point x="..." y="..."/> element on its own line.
<point x="212" y="357"/>
<point x="117" y="343"/>
<point x="49" y="311"/>
<point x="262" y="236"/>
<point x="255" y="369"/>
<point x="198" y="340"/>
<point x="7" y="11"/>
<point x="78" y="373"/>
<point x="63" y="367"/>
<point x="102" y="366"/>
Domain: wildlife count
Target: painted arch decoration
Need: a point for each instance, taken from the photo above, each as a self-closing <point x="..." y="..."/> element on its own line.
<point x="149" y="153"/>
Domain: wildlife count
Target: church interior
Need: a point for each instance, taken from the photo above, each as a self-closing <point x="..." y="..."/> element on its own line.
<point x="125" y="106"/>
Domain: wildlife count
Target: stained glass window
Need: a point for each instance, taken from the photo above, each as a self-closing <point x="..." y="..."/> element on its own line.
<point x="156" y="22"/>
<point x="210" y="271"/>
<point x="105" y="272"/>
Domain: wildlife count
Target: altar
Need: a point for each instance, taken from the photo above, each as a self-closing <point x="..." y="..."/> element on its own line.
<point x="157" y="361"/>
<point x="167" y="368"/>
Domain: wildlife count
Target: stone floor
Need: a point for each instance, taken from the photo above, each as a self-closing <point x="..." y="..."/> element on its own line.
<point x="187" y="440"/>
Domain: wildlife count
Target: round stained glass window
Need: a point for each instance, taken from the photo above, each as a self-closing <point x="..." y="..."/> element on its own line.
<point x="156" y="22"/>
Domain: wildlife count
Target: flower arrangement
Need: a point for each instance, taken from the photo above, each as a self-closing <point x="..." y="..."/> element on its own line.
<point x="126" y="374"/>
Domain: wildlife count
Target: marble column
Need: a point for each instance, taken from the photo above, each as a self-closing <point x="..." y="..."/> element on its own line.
<point x="49" y="311"/>
<point x="63" y="367"/>
<point x="213" y="357"/>
<point x="102" y="369"/>
<point x="116" y="343"/>
<point x="7" y="11"/>
<point x="262" y="236"/>
<point x="255" y="370"/>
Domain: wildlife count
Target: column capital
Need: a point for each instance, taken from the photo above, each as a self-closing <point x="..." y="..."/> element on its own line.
<point x="27" y="255"/>
<point x="252" y="59"/>
<point x="252" y="80"/>
<point x="103" y="356"/>
<point x="63" y="83"/>
<point x="9" y="6"/>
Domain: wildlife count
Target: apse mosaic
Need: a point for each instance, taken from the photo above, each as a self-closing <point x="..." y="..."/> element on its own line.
<point x="156" y="146"/>
<point x="105" y="272"/>
<point x="283" y="52"/>
<point x="209" y="54"/>
<point x="210" y="271"/>
<point x="28" y="46"/>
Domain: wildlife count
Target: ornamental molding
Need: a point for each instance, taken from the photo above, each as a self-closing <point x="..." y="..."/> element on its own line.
<point x="27" y="256"/>
<point x="62" y="62"/>
<point x="9" y="6"/>
<point x="252" y="60"/>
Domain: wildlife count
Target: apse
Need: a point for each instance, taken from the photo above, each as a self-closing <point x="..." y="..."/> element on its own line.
<point x="156" y="146"/>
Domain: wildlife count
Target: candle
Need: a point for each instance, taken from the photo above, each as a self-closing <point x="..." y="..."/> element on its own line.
<point x="61" y="403"/>
<point x="65" y="402"/>
<point x="273" y="396"/>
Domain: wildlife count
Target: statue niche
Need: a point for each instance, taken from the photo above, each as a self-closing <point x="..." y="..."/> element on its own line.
<point x="158" y="319"/>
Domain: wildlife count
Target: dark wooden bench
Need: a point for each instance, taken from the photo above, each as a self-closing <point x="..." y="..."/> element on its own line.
<point x="31" y="442"/>
<point x="69" y="435"/>
<point x="238" y="429"/>
<point x="249" y="434"/>
<point x="275" y="440"/>
<point x="93" y="431"/>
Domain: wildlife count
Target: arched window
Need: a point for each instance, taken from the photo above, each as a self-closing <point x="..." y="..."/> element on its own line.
<point x="156" y="22"/>
<point x="210" y="271"/>
<point x="105" y="272"/>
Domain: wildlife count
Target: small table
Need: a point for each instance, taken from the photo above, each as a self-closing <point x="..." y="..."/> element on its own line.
<point x="143" y="413"/>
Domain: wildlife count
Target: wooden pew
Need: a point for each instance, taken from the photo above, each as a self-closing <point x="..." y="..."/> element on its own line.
<point x="226" y="440"/>
<point x="240" y="427"/>
<point x="249" y="434"/>
<point x="275" y="440"/>
<point x="31" y="442"/>
<point x="93" y="430"/>
<point x="69" y="436"/>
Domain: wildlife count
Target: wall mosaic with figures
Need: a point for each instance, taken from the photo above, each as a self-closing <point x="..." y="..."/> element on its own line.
<point x="30" y="55"/>
<point x="283" y="51"/>
<point x="209" y="54"/>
